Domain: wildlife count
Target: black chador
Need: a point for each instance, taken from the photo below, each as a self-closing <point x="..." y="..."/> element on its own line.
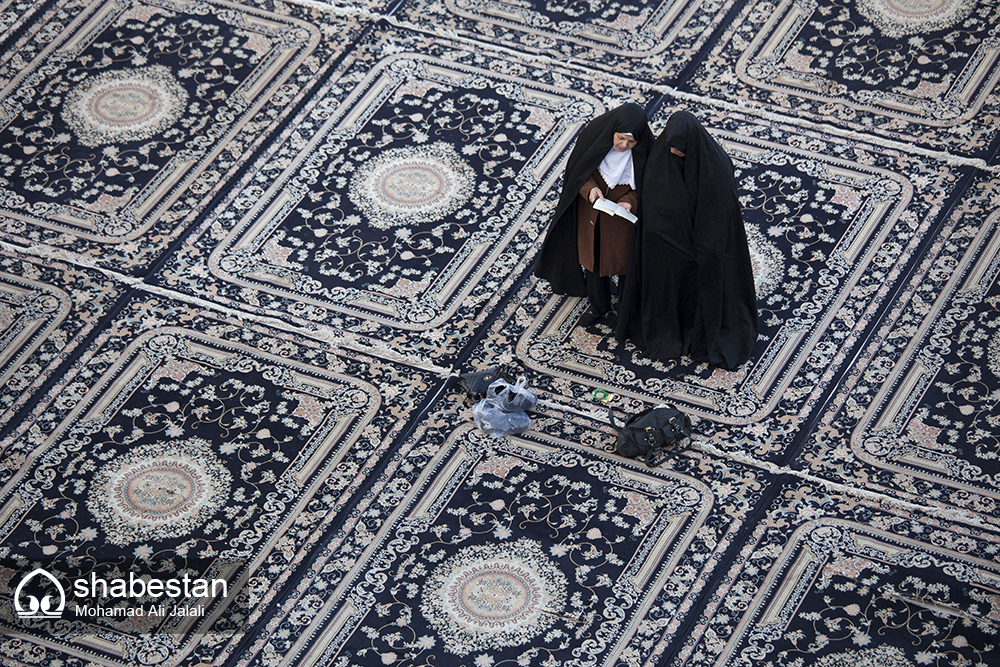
<point x="583" y="246"/>
<point x="690" y="287"/>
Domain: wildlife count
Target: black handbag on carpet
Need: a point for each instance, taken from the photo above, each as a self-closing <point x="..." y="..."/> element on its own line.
<point x="476" y="383"/>
<point x="653" y="433"/>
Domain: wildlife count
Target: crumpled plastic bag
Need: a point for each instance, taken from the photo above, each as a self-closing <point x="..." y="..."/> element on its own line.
<point x="496" y="423"/>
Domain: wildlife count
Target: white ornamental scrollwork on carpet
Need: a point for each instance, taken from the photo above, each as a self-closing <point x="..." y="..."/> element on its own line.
<point x="121" y="106"/>
<point x="646" y="41"/>
<point x="839" y="592"/>
<point x="121" y="124"/>
<point x="928" y="428"/>
<point x="227" y="444"/>
<point x="401" y="202"/>
<point x="514" y="550"/>
<point x="403" y="186"/>
<point x="919" y="71"/>
<point x="822" y="219"/>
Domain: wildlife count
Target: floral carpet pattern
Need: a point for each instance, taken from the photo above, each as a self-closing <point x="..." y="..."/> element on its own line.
<point x="917" y="72"/>
<point x="184" y="435"/>
<point x="402" y="204"/>
<point x="527" y="550"/>
<point x="652" y="41"/>
<point x="828" y="580"/>
<point x="247" y="246"/>
<point x="833" y="225"/>
<point x="47" y="309"/>
<point x="931" y="431"/>
<point x="119" y="129"/>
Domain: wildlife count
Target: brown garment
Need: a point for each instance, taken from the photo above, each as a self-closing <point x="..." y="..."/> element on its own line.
<point x="615" y="233"/>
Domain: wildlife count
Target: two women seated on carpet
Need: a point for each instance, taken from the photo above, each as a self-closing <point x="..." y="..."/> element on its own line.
<point x="685" y="283"/>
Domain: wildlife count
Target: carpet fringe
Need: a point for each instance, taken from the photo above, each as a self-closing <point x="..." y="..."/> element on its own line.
<point x="340" y="340"/>
<point x="351" y="12"/>
<point x="698" y="444"/>
<point x="953" y="515"/>
<point x="745" y="106"/>
<point x="350" y="342"/>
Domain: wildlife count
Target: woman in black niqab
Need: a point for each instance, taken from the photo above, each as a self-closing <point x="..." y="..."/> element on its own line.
<point x="690" y="288"/>
<point x="559" y="260"/>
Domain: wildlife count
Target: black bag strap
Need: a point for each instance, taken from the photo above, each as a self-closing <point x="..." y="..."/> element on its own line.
<point x="611" y="418"/>
<point x="652" y="456"/>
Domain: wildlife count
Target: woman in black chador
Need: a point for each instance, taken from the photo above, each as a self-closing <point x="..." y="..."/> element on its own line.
<point x="606" y="163"/>
<point x="690" y="290"/>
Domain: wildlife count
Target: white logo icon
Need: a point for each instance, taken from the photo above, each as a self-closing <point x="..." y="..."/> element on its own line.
<point x="39" y="608"/>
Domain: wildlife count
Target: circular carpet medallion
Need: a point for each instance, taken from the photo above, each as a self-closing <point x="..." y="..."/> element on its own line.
<point x="412" y="185"/>
<point x="767" y="261"/>
<point x="494" y="596"/>
<point x="125" y="105"/>
<point x="896" y="18"/>
<point x="157" y="491"/>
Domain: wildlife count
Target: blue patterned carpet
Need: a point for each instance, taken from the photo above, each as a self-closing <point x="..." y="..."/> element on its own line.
<point x="246" y="247"/>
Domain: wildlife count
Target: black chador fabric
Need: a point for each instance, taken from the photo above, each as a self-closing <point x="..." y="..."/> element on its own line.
<point x="558" y="262"/>
<point x="690" y="289"/>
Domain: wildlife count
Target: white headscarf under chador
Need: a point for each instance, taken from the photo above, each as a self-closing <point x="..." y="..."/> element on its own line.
<point x="616" y="167"/>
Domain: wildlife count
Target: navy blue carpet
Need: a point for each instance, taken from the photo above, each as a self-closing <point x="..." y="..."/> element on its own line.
<point x="247" y="247"/>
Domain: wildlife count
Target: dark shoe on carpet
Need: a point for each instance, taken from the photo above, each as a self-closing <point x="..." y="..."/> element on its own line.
<point x="589" y="317"/>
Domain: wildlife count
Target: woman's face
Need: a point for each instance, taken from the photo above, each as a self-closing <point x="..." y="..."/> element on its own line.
<point x="624" y="142"/>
